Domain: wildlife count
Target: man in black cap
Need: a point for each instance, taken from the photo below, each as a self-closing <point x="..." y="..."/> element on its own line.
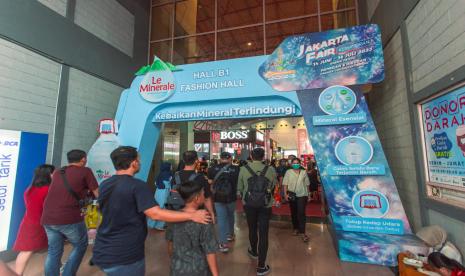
<point x="223" y="178"/>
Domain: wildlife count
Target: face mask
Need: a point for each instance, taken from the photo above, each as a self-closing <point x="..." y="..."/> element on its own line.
<point x="296" y="166"/>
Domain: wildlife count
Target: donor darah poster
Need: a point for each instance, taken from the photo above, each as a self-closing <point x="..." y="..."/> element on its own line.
<point x="444" y="137"/>
<point x="317" y="60"/>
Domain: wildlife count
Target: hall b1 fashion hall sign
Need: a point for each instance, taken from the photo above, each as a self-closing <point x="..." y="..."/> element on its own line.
<point x="311" y="75"/>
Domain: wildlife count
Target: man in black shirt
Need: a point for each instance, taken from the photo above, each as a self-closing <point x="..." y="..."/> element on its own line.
<point x="190" y="159"/>
<point x="223" y="177"/>
<point x="125" y="202"/>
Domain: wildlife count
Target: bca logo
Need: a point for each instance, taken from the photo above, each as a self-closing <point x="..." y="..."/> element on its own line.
<point x="238" y="134"/>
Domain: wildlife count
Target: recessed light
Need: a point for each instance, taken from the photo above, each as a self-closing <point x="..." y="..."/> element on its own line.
<point x="249" y="43"/>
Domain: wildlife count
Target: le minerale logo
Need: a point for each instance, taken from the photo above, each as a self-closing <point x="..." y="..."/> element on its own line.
<point x="156" y="85"/>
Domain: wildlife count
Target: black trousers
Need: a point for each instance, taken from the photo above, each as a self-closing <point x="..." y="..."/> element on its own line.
<point x="298" y="215"/>
<point x="258" y="220"/>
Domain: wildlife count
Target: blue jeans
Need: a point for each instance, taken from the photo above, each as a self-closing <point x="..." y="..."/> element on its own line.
<point x="225" y="217"/>
<point x="76" y="234"/>
<point x="136" y="269"/>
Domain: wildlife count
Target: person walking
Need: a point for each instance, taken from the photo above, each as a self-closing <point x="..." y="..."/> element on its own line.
<point x="31" y="235"/>
<point x="63" y="218"/>
<point x="312" y="172"/>
<point x="125" y="203"/>
<point x="163" y="184"/>
<point x="189" y="173"/>
<point x="255" y="185"/>
<point x="295" y="185"/>
<point x="192" y="246"/>
<point x="223" y="178"/>
<point x="280" y="172"/>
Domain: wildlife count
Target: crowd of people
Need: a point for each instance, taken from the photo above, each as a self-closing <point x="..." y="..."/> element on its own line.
<point x="190" y="201"/>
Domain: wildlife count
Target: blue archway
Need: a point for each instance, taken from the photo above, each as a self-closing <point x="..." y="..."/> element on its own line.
<point x="366" y="213"/>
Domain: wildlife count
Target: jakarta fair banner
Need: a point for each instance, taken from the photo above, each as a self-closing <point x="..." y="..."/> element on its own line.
<point x="327" y="70"/>
<point x="318" y="60"/>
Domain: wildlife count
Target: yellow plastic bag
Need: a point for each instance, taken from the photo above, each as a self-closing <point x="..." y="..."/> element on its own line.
<point x="93" y="217"/>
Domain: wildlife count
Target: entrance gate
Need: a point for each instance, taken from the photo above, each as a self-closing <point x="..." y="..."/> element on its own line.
<point x="366" y="214"/>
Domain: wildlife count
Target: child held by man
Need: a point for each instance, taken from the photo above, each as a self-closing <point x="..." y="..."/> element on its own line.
<point x="192" y="246"/>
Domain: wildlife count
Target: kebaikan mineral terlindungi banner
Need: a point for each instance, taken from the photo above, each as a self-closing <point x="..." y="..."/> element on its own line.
<point x="444" y="136"/>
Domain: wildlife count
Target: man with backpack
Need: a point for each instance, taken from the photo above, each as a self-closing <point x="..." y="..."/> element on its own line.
<point x="223" y="177"/>
<point x="188" y="173"/>
<point x="256" y="184"/>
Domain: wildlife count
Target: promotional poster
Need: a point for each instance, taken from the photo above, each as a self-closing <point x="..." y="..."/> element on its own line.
<point x="317" y="60"/>
<point x="20" y="153"/>
<point x="359" y="187"/>
<point x="444" y="137"/>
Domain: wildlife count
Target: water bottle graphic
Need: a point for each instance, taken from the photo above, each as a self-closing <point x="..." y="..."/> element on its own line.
<point x="354" y="152"/>
<point x="337" y="99"/>
<point x="99" y="154"/>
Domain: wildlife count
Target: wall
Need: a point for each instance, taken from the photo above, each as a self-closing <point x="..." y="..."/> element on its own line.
<point x="28" y="90"/>
<point x="424" y="54"/>
<point x="109" y="21"/>
<point x="91" y="48"/>
<point x="58" y="6"/>
<point x="390" y="111"/>
<point x="90" y="99"/>
<point x="436" y="32"/>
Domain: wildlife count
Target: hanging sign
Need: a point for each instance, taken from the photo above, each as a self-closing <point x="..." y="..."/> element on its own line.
<point x="317" y="60"/>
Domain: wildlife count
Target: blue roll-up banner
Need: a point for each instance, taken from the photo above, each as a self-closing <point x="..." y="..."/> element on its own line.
<point x="20" y="154"/>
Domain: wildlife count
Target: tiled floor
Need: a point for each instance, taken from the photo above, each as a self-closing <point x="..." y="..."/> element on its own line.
<point x="287" y="256"/>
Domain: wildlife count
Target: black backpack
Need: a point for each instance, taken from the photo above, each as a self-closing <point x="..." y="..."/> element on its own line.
<point x="175" y="201"/>
<point x="259" y="189"/>
<point x="223" y="186"/>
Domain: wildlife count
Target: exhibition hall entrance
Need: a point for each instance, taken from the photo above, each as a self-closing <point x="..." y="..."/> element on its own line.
<point x="282" y="138"/>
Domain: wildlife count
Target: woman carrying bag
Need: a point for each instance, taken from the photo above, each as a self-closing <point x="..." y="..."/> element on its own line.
<point x="295" y="185"/>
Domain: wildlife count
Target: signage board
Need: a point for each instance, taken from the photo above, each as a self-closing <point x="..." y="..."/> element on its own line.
<point x="20" y="154"/>
<point x="359" y="187"/>
<point x="443" y="125"/>
<point x="235" y="136"/>
<point x="318" y="60"/>
<point x="10" y="142"/>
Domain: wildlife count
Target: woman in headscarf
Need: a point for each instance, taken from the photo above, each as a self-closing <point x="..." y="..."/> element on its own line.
<point x="163" y="183"/>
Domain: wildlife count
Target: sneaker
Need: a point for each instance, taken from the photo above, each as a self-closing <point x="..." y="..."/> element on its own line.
<point x="252" y="254"/>
<point x="224" y="248"/>
<point x="263" y="270"/>
<point x="231" y="238"/>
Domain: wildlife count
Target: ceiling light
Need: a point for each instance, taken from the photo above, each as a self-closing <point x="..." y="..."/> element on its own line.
<point x="249" y="43"/>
